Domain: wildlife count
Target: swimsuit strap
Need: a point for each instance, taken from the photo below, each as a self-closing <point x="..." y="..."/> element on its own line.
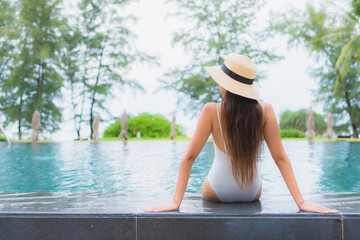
<point x="222" y="135"/>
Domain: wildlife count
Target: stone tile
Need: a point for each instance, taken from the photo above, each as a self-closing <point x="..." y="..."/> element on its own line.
<point x="238" y="228"/>
<point x="25" y="227"/>
<point x="352" y="228"/>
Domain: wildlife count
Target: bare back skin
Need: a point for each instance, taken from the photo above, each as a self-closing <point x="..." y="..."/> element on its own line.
<point x="207" y="192"/>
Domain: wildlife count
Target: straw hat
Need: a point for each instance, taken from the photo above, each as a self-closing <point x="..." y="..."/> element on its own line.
<point x="236" y="75"/>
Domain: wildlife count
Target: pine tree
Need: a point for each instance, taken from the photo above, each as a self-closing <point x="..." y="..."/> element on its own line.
<point x="34" y="81"/>
<point x="107" y="53"/>
<point x="213" y="29"/>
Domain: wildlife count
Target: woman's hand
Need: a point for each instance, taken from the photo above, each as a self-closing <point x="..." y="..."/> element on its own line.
<point x="164" y="208"/>
<point x="309" y="207"/>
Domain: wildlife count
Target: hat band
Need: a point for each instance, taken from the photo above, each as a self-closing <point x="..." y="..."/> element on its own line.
<point x="236" y="76"/>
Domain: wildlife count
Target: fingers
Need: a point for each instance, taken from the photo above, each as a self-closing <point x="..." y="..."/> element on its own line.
<point x="159" y="209"/>
<point x="318" y="209"/>
<point x="155" y="209"/>
<point x="328" y="210"/>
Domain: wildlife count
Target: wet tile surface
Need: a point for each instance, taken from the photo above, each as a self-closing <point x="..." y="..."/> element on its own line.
<point x="118" y="203"/>
<point x="352" y="227"/>
<point x="178" y="225"/>
<point x="238" y="228"/>
<point x="50" y="227"/>
<point x="112" y="216"/>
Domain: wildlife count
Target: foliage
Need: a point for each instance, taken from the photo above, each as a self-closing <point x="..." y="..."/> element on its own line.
<point x="216" y="29"/>
<point x="31" y="77"/>
<point x="291" y="133"/>
<point x="105" y="52"/>
<point x="149" y="125"/>
<point x="341" y="129"/>
<point x="2" y="138"/>
<point x="334" y="39"/>
<point x="297" y="120"/>
<point x="71" y="67"/>
<point x="43" y="45"/>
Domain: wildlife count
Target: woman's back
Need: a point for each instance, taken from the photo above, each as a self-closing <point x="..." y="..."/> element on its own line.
<point x="220" y="178"/>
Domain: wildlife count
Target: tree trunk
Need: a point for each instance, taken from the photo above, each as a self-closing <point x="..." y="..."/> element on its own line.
<point x="78" y="134"/>
<point x="97" y="81"/>
<point x="20" y="114"/>
<point x="355" y="133"/>
<point x="83" y="98"/>
<point x="75" y="116"/>
<point x="19" y="129"/>
<point x="91" y="117"/>
<point x="353" y="123"/>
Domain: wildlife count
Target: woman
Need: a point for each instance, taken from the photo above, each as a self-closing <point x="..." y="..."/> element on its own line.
<point x="237" y="125"/>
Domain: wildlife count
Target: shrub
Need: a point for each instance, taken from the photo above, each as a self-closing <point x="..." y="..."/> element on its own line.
<point x="113" y="130"/>
<point x="149" y="125"/>
<point x="297" y="120"/>
<point x="291" y="133"/>
<point x="2" y="138"/>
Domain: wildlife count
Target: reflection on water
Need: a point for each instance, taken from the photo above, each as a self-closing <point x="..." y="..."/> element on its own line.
<point x="341" y="167"/>
<point x="231" y="208"/>
<point x="151" y="168"/>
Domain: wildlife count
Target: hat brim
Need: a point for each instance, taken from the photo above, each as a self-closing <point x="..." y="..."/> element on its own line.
<point x="231" y="85"/>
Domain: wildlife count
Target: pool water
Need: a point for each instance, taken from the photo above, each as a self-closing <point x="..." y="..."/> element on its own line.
<point x="149" y="170"/>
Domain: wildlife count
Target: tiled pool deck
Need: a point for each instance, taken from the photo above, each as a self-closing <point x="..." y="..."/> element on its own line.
<point x="119" y="217"/>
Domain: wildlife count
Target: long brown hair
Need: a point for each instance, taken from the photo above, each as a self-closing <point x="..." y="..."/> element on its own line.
<point x="242" y="118"/>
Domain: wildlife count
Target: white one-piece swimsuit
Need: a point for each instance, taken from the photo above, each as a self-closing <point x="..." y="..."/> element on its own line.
<point x="221" y="178"/>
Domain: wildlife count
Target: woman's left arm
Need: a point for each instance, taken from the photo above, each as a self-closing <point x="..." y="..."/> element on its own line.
<point x="272" y="138"/>
<point x="202" y="133"/>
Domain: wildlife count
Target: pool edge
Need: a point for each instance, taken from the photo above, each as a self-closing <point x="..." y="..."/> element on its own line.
<point x="140" y="225"/>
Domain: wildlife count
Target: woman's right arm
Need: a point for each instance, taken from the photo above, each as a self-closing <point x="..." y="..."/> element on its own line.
<point x="273" y="141"/>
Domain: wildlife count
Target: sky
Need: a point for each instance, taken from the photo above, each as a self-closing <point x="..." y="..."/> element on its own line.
<point x="287" y="85"/>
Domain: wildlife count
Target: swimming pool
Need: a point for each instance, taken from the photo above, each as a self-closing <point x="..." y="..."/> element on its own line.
<point x="86" y="176"/>
<point x="86" y="190"/>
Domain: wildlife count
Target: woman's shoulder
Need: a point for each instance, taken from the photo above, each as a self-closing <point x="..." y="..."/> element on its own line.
<point x="209" y="109"/>
<point x="210" y="106"/>
<point x="268" y="111"/>
<point x="267" y="106"/>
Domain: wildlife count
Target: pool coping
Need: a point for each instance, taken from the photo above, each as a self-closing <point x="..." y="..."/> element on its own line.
<point x="178" y="225"/>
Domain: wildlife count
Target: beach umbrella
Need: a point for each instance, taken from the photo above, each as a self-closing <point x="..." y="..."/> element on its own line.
<point x="173" y="128"/>
<point x="96" y="123"/>
<point x="2" y="130"/>
<point x="124" y="127"/>
<point x="35" y="122"/>
<point x="329" y="130"/>
<point x="310" y="124"/>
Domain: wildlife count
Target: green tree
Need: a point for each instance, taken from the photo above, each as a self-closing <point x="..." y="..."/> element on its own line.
<point x="334" y="40"/>
<point x="350" y="52"/>
<point x="149" y="125"/>
<point x="33" y="80"/>
<point x="7" y="21"/>
<point x="297" y="120"/>
<point x="213" y="29"/>
<point x="7" y="24"/>
<point x="71" y="67"/>
<point x="106" y="55"/>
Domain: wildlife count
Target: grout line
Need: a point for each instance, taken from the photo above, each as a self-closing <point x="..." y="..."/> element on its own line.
<point x="342" y="227"/>
<point x="136" y="226"/>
